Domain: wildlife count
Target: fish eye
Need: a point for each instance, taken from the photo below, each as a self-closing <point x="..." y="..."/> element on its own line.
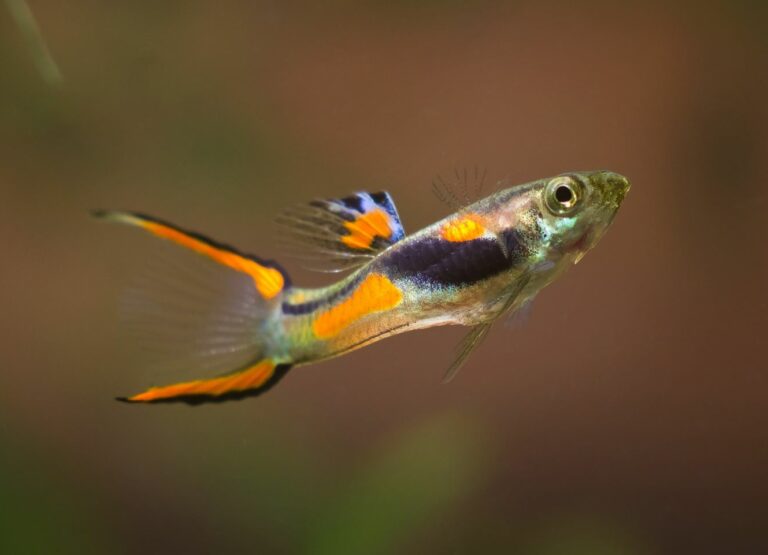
<point x="562" y="195"/>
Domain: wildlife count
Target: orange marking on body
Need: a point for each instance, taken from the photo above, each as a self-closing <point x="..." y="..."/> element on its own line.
<point x="375" y="294"/>
<point x="364" y="230"/>
<point x="269" y="281"/>
<point x="251" y="378"/>
<point x="465" y="229"/>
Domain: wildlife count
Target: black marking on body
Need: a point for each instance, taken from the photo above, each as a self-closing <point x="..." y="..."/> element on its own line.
<point x="457" y="263"/>
<point x="199" y="398"/>
<point x="310" y="306"/>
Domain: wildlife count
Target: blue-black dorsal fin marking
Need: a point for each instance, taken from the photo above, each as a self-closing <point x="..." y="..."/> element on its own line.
<point x="335" y="235"/>
<point x="461" y="188"/>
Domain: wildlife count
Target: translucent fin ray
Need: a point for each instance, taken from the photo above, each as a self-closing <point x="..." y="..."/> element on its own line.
<point x="267" y="276"/>
<point x="345" y="233"/>
<point x="190" y="316"/>
<point x="479" y="332"/>
<point x="461" y="188"/>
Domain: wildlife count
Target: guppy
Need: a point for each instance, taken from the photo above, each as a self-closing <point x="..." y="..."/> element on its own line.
<point x="487" y="259"/>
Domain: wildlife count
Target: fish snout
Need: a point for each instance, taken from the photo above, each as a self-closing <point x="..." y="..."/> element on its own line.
<point x="615" y="187"/>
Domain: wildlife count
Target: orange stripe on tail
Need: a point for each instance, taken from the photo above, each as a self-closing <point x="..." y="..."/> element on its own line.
<point x="254" y="380"/>
<point x="268" y="279"/>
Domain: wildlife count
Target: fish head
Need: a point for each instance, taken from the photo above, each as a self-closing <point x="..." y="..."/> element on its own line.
<point x="575" y="211"/>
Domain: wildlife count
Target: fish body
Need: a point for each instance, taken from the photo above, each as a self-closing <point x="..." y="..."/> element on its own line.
<point x="487" y="259"/>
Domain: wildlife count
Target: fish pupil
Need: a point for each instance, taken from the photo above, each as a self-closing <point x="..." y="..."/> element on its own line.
<point x="563" y="194"/>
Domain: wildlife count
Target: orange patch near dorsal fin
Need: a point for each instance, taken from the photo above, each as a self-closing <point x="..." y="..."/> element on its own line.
<point x="466" y="228"/>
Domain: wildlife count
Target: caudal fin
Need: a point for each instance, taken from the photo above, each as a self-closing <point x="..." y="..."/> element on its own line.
<point x="207" y="320"/>
<point x="268" y="277"/>
<point x="249" y="382"/>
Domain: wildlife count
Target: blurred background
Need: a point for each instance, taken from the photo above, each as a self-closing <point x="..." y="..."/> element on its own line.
<point x="627" y="416"/>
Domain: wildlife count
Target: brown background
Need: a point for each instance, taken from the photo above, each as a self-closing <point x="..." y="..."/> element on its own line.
<point x="628" y="416"/>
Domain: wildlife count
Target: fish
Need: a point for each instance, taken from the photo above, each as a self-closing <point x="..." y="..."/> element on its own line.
<point x="488" y="259"/>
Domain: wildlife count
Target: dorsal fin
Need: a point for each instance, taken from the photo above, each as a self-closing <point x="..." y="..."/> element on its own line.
<point x="339" y="234"/>
<point x="460" y="189"/>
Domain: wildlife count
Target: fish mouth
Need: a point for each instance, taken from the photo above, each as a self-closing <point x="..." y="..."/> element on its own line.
<point x="615" y="187"/>
<point x="612" y="188"/>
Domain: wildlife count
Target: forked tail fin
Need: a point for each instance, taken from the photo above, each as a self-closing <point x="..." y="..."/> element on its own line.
<point x="268" y="277"/>
<point x="209" y="315"/>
